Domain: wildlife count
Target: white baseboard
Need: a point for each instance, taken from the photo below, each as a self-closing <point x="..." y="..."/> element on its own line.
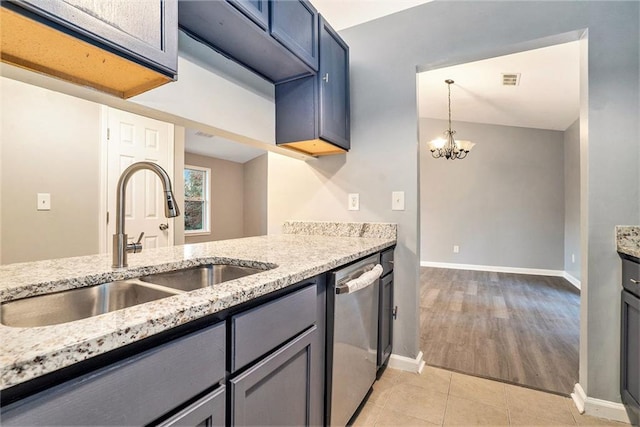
<point x="598" y="407"/>
<point x="499" y="269"/>
<point x="575" y="282"/>
<point x="579" y="397"/>
<point x="406" y="363"/>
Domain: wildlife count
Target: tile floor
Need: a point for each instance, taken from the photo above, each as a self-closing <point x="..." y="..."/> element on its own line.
<point x="444" y="398"/>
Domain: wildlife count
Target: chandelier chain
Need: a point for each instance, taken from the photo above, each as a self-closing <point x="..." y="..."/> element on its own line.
<point x="449" y="87"/>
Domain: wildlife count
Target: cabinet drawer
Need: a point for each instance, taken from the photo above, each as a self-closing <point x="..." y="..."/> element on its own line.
<point x="386" y="259"/>
<point x="631" y="276"/>
<point x="258" y="331"/>
<point x="134" y="391"/>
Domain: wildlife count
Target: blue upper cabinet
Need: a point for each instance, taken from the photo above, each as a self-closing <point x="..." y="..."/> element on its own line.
<point x="256" y="10"/>
<point x="334" y="87"/>
<point x="312" y="113"/>
<point x="119" y="47"/>
<point x="272" y="38"/>
<point x="295" y="24"/>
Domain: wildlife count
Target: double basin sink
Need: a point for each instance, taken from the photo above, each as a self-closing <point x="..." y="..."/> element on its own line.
<point x="76" y="304"/>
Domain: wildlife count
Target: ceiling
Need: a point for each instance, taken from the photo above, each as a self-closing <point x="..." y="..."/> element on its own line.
<point x="547" y="97"/>
<point x="215" y="146"/>
<point x="343" y="14"/>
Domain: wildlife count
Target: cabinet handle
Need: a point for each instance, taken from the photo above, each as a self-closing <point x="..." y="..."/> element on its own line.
<point x="325" y="78"/>
<point x="394" y="312"/>
<point x="637" y="282"/>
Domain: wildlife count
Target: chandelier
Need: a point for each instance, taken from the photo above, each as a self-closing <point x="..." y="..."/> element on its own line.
<point x="448" y="147"/>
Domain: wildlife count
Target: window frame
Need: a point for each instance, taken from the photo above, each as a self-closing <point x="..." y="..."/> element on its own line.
<point x="206" y="226"/>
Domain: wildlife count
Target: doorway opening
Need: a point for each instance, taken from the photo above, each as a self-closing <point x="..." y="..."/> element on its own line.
<point x="500" y="230"/>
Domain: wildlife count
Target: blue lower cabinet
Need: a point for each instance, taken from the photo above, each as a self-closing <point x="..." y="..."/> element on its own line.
<point x="278" y="390"/>
<point x="207" y="411"/>
<point x="135" y="391"/>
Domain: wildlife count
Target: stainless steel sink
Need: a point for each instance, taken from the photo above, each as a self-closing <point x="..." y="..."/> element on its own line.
<point x="200" y="277"/>
<point x="75" y="304"/>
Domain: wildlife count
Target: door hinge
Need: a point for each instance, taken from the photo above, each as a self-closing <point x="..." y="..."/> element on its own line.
<point x="108" y="134"/>
<point x="107" y="217"/>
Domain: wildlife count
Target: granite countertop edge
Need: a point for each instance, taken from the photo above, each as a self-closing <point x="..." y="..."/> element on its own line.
<point x="28" y="353"/>
<point x="628" y="240"/>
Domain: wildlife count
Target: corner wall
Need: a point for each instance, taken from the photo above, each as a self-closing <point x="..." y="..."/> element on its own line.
<point x="503" y="205"/>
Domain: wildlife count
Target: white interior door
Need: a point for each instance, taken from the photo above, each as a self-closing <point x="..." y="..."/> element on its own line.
<point x="132" y="138"/>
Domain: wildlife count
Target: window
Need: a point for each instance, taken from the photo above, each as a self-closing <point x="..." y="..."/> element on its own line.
<point x="196" y="199"/>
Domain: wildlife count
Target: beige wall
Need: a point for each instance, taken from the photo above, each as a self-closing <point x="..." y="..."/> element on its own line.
<point x="50" y="143"/>
<point x="226" y="197"/>
<point x="255" y="196"/>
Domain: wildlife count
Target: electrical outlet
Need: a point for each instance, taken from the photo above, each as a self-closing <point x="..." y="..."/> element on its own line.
<point x="397" y="201"/>
<point x="353" y="203"/>
<point x="456" y="249"/>
<point x="44" y="202"/>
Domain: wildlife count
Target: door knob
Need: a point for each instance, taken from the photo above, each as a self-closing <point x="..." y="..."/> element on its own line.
<point x="164" y="227"/>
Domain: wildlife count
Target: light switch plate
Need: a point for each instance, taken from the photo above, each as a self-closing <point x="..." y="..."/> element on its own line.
<point x="353" y="203"/>
<point x="397" y="201"/>
<point x="44" y="201"/>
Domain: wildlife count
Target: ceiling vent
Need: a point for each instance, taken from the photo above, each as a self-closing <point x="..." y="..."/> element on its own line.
<point x="510" y="79"/>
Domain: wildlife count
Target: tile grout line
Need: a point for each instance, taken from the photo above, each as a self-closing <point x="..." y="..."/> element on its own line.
<point x="506" y="400"/>
<point x="446" y="403"/>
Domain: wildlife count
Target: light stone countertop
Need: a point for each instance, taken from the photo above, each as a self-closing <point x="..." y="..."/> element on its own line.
<point x="27" y="353"/>
<point x="628" y="240"/>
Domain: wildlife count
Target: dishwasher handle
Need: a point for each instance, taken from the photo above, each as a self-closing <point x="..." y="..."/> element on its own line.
<point x="366" y="279"/>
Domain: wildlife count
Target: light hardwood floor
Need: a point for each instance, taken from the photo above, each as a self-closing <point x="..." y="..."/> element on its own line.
<point x="516" y="328"/>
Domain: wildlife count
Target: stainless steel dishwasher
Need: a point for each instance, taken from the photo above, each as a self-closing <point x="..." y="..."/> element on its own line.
<point x="352" y="334"/>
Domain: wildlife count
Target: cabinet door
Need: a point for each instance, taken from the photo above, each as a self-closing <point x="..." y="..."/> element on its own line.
<point x="280" y="389"/>
<point x="294" y="23"/>
<point x="385" y="319"/>
<point x="205" y="412"/>
<point x="334" y="87"/>
<point x="256" y="10"/>
<point x="145" y="31"/>
<point x="630" y="351"/>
